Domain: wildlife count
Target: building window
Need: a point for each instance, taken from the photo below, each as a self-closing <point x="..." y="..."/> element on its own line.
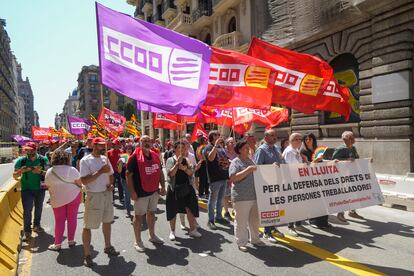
<point x="232" y="27"/>
<point x="347" y="74"/>
<point x="207" y="40"/>
<point x="93" y="77"/>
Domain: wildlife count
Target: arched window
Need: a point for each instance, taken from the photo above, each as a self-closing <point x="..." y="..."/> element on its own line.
<point x="346" y="71"/>
<point x="207" y="40"/>
<point x="232" y="25"/>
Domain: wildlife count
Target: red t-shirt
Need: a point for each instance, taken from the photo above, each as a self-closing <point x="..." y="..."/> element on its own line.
<point x="113" y="156"/>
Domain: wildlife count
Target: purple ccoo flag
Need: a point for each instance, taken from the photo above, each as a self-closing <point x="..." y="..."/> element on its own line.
<point x="20" y="139"/>
<point x="78" y="126"/>
<point x="151" y="64"/>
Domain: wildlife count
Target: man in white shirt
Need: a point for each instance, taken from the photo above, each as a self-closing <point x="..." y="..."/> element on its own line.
<point x="292" y="156"/>
<point x="97" y="176"/>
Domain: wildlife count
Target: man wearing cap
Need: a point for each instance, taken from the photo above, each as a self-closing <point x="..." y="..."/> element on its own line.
<point x="97" y="176"/>
<point x="32" y="168"/>
<point x="144" y="177"/>
<point x="114" y="155"/>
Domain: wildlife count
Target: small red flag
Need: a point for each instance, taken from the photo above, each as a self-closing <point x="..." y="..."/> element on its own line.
<point x="111" y="120"/>
<point x="269" y="118"/>
<point x="40" y="133"/>
<point x="198" y="131"/>
<point x="168" y="121"/>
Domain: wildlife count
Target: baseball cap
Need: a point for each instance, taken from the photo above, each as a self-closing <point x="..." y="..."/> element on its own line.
<point x="30" y="146"/>
<point x="116" y="142"/>
<point x="98" y="141"/>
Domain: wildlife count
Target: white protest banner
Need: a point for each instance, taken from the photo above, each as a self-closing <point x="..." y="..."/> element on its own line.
<point x="297" y="192"/>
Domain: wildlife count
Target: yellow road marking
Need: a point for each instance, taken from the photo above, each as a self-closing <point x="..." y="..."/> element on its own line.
<point x="322" y="254"/>
<point x="27" y="256"/>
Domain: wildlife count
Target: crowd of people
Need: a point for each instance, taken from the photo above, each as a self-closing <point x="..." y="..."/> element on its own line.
<point x="211" y="168"/>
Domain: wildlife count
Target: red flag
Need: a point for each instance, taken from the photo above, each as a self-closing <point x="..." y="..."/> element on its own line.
<point x="168" y="121"/>
<point x="269" y="118"/>
<point x="204" y="116"/>
<point x="239" y="80"/>
<point x="224" y="117"/>
<point x="242" y="128"/>
<point x="335" y="98"/>
<point x="40" y="133"/>
<point x="111" y="120"/>
<point x="198" y="130"/>
<point x="301" y="79"/>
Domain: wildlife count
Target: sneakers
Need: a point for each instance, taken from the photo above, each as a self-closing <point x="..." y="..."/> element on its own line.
<point x="183" y="227"/>
<point x="270" y="238"/>
<point x="243" y="248"/>
<point x="111" y="251"/>
<point x="87" y="261"/>
<point x="54" y="247"/>
<point x="195" y="234"/>
<point x="172" y="236"/>
<point x="293" y="232"/>
<point x="223" y="221"/>
<point x="278" y="234"/>
<point x="341" y="217"/>
<point x="227" y="216"/>
<point x="139" y="246"/>
<point x="354" y="214"/>
<point x="38" y="229"/>
<point x="258" y="243"/>
<point x="156" y="240"/>
<point x="301" y="228"/>
<point x="27" y="236"/>
<point x="211" y="225"/>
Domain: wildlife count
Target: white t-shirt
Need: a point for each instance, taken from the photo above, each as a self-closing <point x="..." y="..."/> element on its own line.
<point x="90" y="165"/>
<point x="62" y="193"/>
<point x="292" y="156"/>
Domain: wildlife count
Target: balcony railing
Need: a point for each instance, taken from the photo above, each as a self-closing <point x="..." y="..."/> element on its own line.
<point x="182" y="19"/>
<point x="228" y="41"/>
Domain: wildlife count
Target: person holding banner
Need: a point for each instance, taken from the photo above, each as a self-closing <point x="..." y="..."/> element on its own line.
<point x="269" y="153"/>
<point x="243" y="195"/>
<point x="309" y="145"/>
<point x="292" y="156"/>
<point x="347" y="151"/>
<point x="218" y="174"/>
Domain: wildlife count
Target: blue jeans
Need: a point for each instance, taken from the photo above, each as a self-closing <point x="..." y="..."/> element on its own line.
<point x="215" y="198"/>
<point x="30" y="198"/>
<point x="127" y="196"/>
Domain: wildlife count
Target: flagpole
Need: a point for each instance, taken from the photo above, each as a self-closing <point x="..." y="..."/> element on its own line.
<point x="102" y="108"/>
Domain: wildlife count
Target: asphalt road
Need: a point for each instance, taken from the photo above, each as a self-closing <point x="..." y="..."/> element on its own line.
<point x="382" y="243"/>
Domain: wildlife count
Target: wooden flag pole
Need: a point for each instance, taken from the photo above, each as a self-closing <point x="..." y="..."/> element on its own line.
<point x="102" y="108"/>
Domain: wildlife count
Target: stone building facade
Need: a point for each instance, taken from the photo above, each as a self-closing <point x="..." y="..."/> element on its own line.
<point x="369" y="43"/>
<point x="8" y="92"/>
<point x="89" y="91"/>
<point x="370" y="46"/>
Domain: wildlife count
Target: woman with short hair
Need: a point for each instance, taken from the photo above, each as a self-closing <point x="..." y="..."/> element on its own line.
<point x="181" y="197"/>
<point x="64" y="184"/>
<point x="243" y="195"/>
